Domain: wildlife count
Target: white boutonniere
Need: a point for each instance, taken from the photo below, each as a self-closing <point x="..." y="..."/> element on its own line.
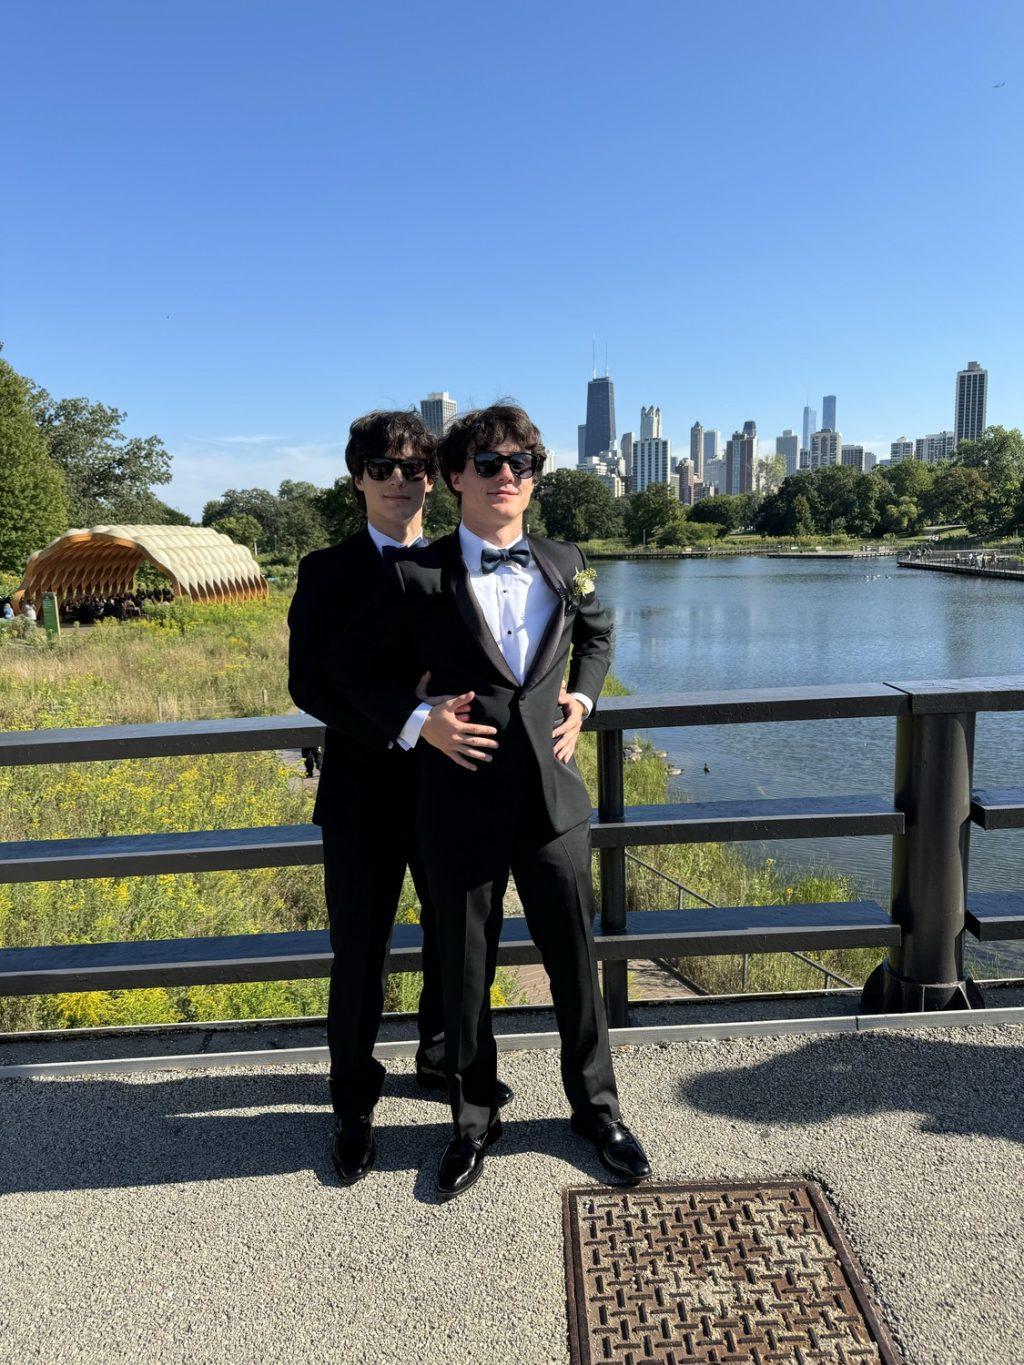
<point x="583" y="584"/>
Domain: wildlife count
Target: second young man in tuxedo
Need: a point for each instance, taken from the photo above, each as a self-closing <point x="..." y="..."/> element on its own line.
<point x="366" y="792"/>
<point x="496" y="616"/>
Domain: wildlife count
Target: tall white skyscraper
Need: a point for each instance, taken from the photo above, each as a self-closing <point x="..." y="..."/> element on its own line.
<point x="652" y="462"/>
<point x="971" y="402"/>
<point x="828" y="412"/>
<point x="650" y="423"/>
<point x="810" y="424"/>
<point x="788" y="446"/>
<point x="697" y="450"/>
<point x="826" y="448"/>
<point x="438" y="411"/>
<point x="901" y="449"/>
<point x="712" y="445"/>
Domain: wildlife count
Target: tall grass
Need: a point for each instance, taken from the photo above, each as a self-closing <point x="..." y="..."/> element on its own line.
<point x="185" y="662"/>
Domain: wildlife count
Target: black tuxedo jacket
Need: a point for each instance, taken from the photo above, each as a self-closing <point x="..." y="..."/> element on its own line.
<point x="429" y="618"/>
<point x="359" y="766"/>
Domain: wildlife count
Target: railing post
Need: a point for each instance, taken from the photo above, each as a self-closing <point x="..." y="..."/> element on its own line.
<point x="934" y="762"/>
<point x="611" y="806"/>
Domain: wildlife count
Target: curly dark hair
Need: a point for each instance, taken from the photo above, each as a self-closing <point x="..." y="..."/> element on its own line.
<point x="383" y="433"/>
<point x="483" y="430"/>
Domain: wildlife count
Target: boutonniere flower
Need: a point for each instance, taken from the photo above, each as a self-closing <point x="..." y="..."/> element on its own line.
<point x="583" y="584"/>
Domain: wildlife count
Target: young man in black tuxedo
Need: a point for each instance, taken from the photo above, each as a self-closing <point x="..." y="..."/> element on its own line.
<point x="496" y="616"/>
<point x="365" y="799"/>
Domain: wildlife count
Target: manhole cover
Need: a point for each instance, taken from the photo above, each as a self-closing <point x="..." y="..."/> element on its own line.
<point x="726" y="1273"/>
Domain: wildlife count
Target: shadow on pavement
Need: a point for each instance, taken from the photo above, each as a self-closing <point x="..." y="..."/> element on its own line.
<point x="957" y="1087"/>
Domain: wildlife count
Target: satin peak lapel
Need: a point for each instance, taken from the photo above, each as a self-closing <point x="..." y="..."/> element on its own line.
<point x="553" y="634"/>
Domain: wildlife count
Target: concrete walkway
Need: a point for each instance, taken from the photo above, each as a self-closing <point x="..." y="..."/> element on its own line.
<point x="193" y="1217"/>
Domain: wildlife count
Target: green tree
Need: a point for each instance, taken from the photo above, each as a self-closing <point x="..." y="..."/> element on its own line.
<point x="653" y="512"/>
<point x="340" y="510"/>
<point x="998" y="456"/>
<point x="109" y="476"/>
<point x="959" y="494"/>
<point x="441" y="514"/>
<point x="577" y="506"/>
<point x="770" y="472"/>
<point x="244" y="530"/>
<point x="725" y="511"/>
<point x="33" y="498"/>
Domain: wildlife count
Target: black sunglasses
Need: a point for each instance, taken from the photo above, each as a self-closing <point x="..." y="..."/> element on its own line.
<point x="382" y="467"/>
<point x="488" y="463"/>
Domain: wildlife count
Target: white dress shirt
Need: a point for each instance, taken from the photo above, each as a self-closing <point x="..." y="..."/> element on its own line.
<point x="517" y="604"/>
<point x="382" y="541"/>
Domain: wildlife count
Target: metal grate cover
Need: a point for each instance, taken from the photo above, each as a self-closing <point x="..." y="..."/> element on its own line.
<point x="734" y="1274"/>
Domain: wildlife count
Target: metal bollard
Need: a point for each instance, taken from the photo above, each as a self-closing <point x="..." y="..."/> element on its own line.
<point x="934" y="762"/>
<point x="611" y="806"/>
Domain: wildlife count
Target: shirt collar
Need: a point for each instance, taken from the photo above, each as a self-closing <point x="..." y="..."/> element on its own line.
<point x="472" y="547"/>
<point x="382" y="541"/>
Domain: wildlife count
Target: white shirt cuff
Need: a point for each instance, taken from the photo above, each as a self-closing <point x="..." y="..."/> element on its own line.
<point x="588" y="705"/>
<point x="411" y="729"/>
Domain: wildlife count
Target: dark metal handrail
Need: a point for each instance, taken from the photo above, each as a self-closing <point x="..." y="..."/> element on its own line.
<point x="934" y="757"/>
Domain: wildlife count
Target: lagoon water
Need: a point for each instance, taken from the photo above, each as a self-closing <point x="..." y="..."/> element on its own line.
<point x="689" y="626"/>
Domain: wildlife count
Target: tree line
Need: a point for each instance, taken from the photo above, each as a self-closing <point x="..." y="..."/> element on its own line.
<point x="68" y="463"/>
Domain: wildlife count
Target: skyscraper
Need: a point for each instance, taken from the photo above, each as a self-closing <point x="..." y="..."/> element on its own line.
<point x="856" y="457"/>
<point x="828" y="412"/>
<point x="581" y="443"/>
<point x="712" y="445"/>
<point x="788" y="446"/>
<point x="688" y="485"/>
<point x="652" y="462"/>
<point x="650" y="422"/>
<point x="740" y="459"/>
<point x="697" y="450"/>
<point x="626" y="450"/>
<point x="937" y="446"/>
<point x="826" y="448"/>
<point x="810" y="425"/>
<point x="438" y="411"/>
<point x="902" y="449"/>
<point x="600" y="427"/>
<point x="971" y="402"/>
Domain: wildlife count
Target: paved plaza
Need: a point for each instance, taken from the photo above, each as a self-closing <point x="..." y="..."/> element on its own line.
<point x="194" y="1216"/>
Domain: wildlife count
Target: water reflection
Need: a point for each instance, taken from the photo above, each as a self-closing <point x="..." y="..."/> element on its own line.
<point x="688" y="626"/>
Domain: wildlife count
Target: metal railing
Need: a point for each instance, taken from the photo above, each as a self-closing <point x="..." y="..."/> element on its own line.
<point x="682" y="891"/>
<point x="928" y="819"/>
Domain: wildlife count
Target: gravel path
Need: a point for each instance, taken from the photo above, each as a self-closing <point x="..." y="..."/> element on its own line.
<point x="195" y="1217"/>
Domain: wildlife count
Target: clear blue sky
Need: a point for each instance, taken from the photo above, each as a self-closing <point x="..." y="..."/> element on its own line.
<point x="245" y="223"/>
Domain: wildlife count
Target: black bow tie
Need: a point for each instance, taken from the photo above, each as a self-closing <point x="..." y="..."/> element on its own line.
<point x="392" y="551"/>
<point x="491" y="558"/>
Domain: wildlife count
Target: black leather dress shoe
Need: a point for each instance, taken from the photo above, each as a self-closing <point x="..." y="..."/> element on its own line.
<point x="429" y="1079"/>
<point x="462" y="1162"/>
<point x="619" y="1150"/>
<point x="355" y="1148"/>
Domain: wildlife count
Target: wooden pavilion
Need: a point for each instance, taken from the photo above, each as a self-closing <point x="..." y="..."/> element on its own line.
<point x="200" y="563"/>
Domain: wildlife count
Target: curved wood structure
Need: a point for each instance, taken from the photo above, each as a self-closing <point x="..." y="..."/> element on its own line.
<point x="201" y="564"/>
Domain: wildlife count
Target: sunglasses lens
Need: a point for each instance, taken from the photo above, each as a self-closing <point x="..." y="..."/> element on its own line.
<point x="379" y="469"/>
<point x="487" y="466"/>
<point x="412" y="469"/>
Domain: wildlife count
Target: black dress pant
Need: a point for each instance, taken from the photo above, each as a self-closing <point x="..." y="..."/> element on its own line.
<point x="468" y="870"/>
<point x="363" y="872"/>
